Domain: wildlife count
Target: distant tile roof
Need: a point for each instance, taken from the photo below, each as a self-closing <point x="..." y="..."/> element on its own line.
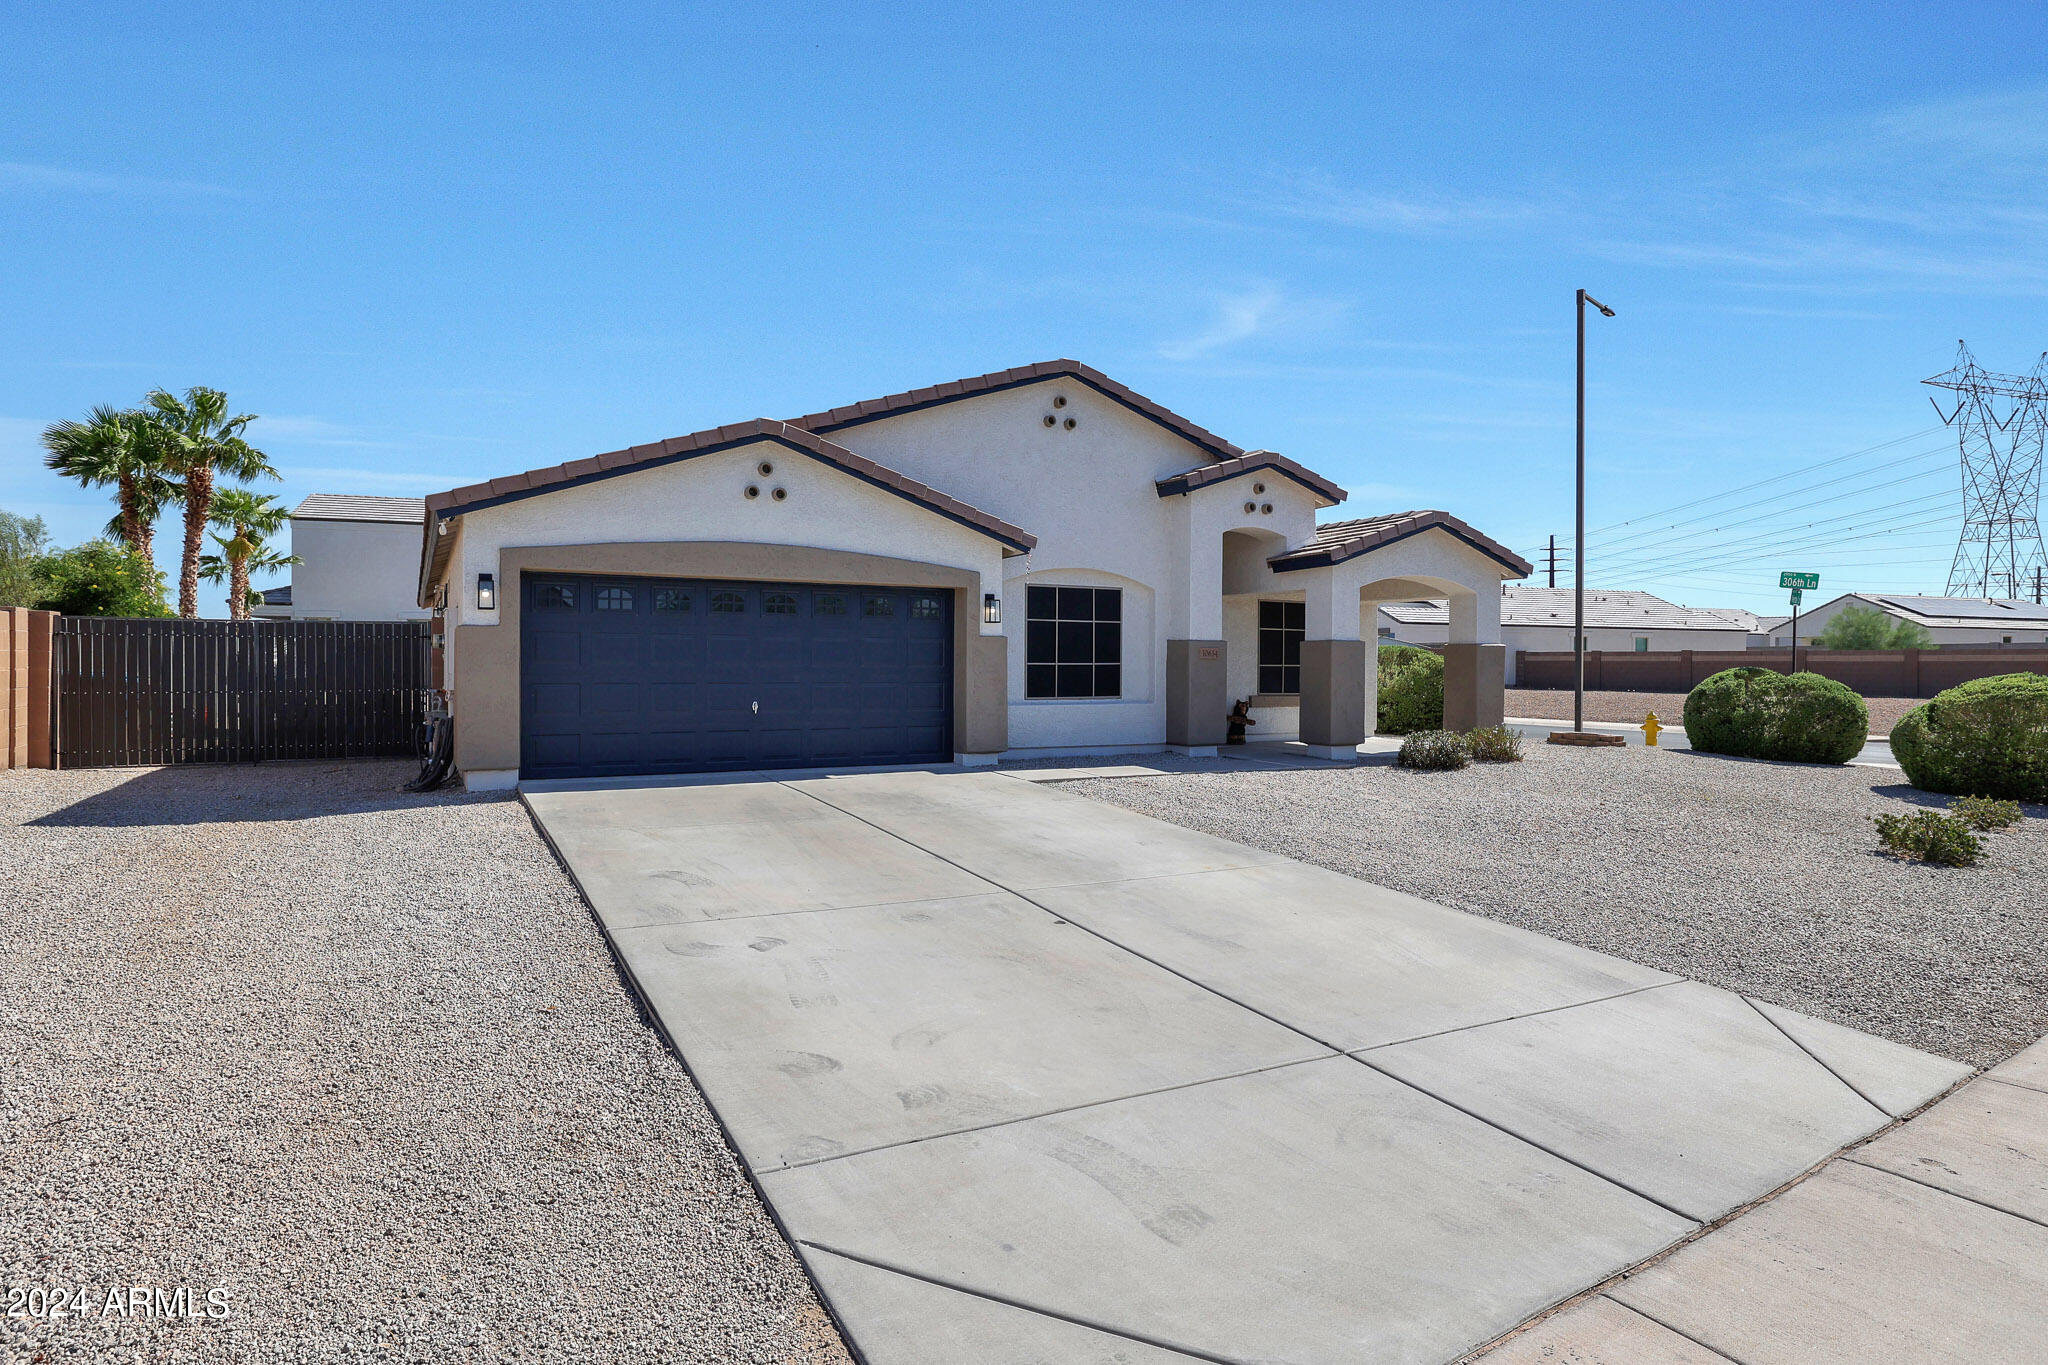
<point x="1531" y="606"/>
<point x="359" y="507"/>
<point x="1250" y="462"/>
<point x="280" y="596"/>
<point x="1337" y="541"/>
<point x="1986" y="612"/>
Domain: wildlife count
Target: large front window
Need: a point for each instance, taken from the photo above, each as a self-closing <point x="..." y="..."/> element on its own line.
<point x="1281" y="626"/>
<point x="1073" y="642"/>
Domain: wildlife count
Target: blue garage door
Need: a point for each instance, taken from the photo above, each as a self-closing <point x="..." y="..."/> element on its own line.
<point x="654" y="675"/>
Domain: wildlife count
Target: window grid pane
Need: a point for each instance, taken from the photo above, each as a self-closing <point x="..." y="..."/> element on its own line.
<point x="1281" y="627"/>
<point x="1073" y="642"/>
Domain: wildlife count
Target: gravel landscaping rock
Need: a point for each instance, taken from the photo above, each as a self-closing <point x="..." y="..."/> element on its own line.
<point x="1761" y="877"/>
<point x="362" y="1061"/>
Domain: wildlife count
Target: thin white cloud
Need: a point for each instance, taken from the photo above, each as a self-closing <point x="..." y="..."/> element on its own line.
<point x="21" y="177"/>
<point x="1321" y="198"/>
<point x="1264" y="311"/>
<point x="346" y="480"/>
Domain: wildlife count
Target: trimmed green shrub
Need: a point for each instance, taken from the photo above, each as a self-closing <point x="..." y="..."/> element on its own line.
<point x="1983" y="814"/>
<point x="1494" y="744"/>
<point x="1435" y="750"/>
<point x="1411" y="690"/>
<point x="1988" y="737"/>
<point x="1931" y="837"/>
<point x="1756" y="713"/>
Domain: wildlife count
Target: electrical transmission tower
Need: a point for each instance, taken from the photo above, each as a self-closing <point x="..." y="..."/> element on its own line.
<point x="2000" y="552"/>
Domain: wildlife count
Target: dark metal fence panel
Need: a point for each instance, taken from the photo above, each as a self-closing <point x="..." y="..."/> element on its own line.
<point x="133" y="692"/>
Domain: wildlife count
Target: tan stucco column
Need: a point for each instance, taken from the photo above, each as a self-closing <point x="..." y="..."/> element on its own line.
<point x="1475" y="663"/>
<point x="1333" y="720"/>
<point x="1472" y="685"/>
<point x="1197" y="695"/>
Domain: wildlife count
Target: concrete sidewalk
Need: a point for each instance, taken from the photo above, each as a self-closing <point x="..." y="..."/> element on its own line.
<point x="1028" y="1078"/>
<point x="1927" y="1244"/>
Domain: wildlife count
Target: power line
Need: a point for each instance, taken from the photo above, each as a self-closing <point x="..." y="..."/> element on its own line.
<point x="1775" y="478"/>
<point x="1691" y="546"/>
<point x="1780" y="497"/>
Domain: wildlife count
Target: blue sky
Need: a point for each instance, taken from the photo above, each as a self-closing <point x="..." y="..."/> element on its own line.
<point x="431" y="245"/>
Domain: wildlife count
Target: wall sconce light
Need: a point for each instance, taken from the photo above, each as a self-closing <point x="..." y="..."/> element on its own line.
<point x="486" y="592"/>
<point x="991" y="609"/>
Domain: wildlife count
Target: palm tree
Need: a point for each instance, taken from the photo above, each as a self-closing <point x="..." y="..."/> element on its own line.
<point x="237" y="560"/>
<point x="200" y="441"/>
<point x="123" y="449"/>
<point x="251" y="517"/>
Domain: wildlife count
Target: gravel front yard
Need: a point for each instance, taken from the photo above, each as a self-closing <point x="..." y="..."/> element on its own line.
<point x="1760" y="877"/>
<point x="361" y="1060"/>
<point x="1528" y="703"/>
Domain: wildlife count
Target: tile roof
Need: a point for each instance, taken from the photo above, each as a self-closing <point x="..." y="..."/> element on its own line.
<point x="1609" y="609"/>
<point x="1337" y="541"/>
<point x="280" y="596"/>
<point x="1250" y="462"/>
<point x="360" y="507"/>
<point x="1987" y="612"/>
<point x="997" y="380"/>
<point x="537" y="481"/>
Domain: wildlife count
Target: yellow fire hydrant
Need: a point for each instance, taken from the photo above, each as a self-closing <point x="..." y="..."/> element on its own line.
<point x="1650" y="729"/>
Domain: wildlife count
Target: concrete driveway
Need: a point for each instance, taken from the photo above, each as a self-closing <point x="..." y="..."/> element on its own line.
<point x="1028" y="1078"/>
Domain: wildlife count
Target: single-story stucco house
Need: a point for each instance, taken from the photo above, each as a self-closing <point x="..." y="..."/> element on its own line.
<point x="1541" y="619"/>
<point x="1948" y="620"/>
<point x="1033" y="561"/>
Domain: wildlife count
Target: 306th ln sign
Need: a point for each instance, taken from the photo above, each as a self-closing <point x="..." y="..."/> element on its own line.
<point x="1799" y="580"/>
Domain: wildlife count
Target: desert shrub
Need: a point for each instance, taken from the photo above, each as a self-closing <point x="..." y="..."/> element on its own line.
<point x="1869" y="628"/>
<point x="1931" y="837"/>
<point x="1756" y="713"/>
<point x="1988" y="737"/>
<point x="1411" y="690"/>
<point x="100" y="578"/>
<point x="1982" y="813"/>
<point x="1494" y="744"/>
<point x="1436" y="750"/>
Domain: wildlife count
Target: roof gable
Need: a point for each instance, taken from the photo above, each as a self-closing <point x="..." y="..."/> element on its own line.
<point x="1337" y="541"/>
<point x="874" y="409"/>
<point x="1251" y="463"/>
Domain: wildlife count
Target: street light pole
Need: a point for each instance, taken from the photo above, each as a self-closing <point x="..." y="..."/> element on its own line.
<point x="1579" y="535"/>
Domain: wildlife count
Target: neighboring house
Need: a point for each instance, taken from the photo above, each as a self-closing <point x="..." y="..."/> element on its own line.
<point x="359" y="560"/>
<point x="1949" y="620"/>
<point x="275" y="604"/>
<point x="1541" y="619"/>
<point x="1765" y="628"/>
<point x="1036" y="560"/>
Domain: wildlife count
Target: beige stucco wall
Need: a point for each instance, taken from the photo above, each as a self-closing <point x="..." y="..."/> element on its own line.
<point x="355" y="571"/>
<point x="1088" y="495"/>
<point x="704" y="500"/>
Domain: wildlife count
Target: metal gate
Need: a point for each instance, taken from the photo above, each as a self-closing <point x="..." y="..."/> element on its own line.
<point x="133" y="691"/>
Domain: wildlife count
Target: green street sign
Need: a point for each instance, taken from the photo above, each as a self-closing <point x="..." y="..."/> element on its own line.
<point x="1795" y="597"/>
<point x="1799" y="580"/>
